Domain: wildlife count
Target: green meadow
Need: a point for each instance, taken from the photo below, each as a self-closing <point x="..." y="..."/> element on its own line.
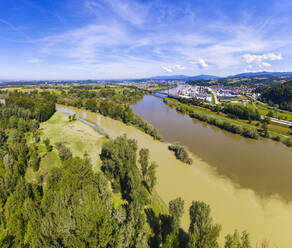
<point x="78" y="137"/>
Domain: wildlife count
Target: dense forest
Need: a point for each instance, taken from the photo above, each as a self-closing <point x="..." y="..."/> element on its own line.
<point x="279" y="94"/>
<point x="73" y="206"/>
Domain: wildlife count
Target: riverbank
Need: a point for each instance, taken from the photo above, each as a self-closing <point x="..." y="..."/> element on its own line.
<point x="232" y="207"/>
<point x="249" y="129"/>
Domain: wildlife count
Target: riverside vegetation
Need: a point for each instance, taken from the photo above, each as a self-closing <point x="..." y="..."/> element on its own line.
<point x="180" y="153"/>
<point x="75" y="206"/>
<point x="109" y="101"/>
<point x="228" y="117"/>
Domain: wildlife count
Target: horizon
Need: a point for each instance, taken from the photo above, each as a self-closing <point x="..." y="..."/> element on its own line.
<point x="115" y="39"/>
<point x="146" y="78"/>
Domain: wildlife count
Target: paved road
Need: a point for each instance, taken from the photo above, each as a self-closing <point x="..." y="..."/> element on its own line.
<point x="289" y="123"/>
<point x="215" y="97"/>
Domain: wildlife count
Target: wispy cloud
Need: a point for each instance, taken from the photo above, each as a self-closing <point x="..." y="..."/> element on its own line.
<point x="173" y="68"/>
<point x="167" y="69"/>
<point x="251" y="58"/>
<point x="14" y="28"/>
<point x="148" y="37"/>
<point x="33" y="61"/>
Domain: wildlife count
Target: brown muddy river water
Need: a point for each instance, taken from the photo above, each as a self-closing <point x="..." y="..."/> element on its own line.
<point x="244" y="181"/>
<point x="263" y="166"/>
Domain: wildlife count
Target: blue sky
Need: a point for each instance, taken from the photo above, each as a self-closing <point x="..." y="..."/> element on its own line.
<point x="103" y="39"/>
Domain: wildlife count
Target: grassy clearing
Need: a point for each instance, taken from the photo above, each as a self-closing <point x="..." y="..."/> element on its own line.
<point x="157" y="204"/>
<point x="75" y="135"/>
<point x="117" y="200"/>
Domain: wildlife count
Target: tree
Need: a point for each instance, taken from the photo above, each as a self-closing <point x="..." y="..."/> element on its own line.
<point x="64" y="152"/>
<point x="49" y="147"/>
<point x="3" y="137"/>
<point x="151" y="176"/>
<point x="270" y="114"/>
<point x="91" y="105"/>
<point x="236" y="240"/>
<point x="203" y="233"/>
<point x="119" y="165"/>
<point x="288" y="142"/>
<point x="148" y="172"/>
<point x="34" y="161"/>
<point x="265" y="130"/>
<point x="176" y="210"/>
<point x="144" y="161"/>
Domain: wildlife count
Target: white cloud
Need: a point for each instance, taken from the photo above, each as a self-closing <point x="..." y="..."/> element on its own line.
<point x="178" y="67"/>
<point x="173" y="68"/>
<point x="265" y="64"/>
<point x="167" y="69"/>
<point x="202" y="64"/>
<point x="33" y="61"/>
<point x="253" y="58"/>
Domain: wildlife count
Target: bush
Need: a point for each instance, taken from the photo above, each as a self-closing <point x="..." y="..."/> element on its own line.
<point x="49" y="147"/>
<point x="277" y="138"/>
<point x="288" y="142"/>
<point x="63" y="151"/>
<point x="250" y="133"/>
<point x="180" y="153"/>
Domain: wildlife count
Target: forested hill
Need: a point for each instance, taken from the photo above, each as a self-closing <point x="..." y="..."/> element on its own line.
<point x="279" y="94"/>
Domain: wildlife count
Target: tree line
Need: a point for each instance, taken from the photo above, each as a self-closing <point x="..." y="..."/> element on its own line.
<point x="280" y="95"/>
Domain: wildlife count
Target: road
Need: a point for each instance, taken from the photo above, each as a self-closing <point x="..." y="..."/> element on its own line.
<point x="88" y="123"/>
<point x="289" y="123"/>
<point x="215" y="97"/>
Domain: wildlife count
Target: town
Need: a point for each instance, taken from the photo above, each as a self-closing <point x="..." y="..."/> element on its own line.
<point x="218" y="93"/>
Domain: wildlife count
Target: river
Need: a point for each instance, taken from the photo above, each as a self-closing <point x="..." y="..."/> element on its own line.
<point x="233" y="205"/>
<point x="261" y="165"/>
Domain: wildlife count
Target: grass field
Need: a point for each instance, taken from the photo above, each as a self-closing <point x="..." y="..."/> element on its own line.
<point x="24" y="90"/>
<point x="264" y="110"/>
<point x="77" y="136"/>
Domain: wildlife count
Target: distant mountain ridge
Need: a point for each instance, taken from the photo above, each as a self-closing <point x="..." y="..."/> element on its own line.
<point x="262" y="74"/>
<point x="183" y="77"/>
<point x="201" y="77"/>
<point x="212" y="77"/>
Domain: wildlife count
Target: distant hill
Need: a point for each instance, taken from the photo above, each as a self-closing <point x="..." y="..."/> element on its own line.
<point x="203" y="77"/>
<point x="262" y="74"/>
<point x="183" y="77"/>
<point x="170" y="77"/>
